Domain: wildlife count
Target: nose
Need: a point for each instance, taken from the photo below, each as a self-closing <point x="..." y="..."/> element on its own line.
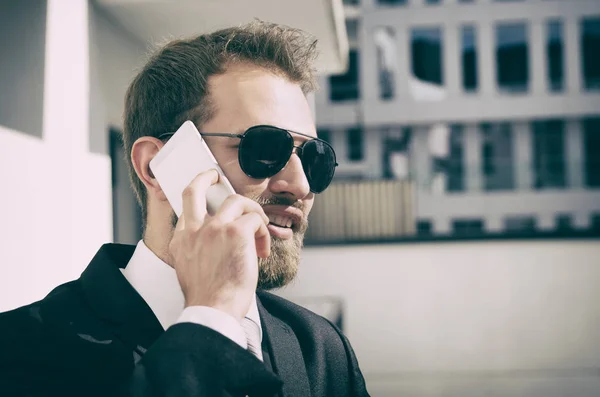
<point x="291" y="180"/>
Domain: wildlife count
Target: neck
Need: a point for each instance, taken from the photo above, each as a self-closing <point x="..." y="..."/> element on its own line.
<point x="157" y="240"/>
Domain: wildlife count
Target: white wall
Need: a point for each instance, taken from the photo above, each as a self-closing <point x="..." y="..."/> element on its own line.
<point x="514" y="318"/>
<point x="56" y="195"/>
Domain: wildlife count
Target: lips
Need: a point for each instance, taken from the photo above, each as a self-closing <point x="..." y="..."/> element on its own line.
<point x="284" y="216"/>
<point x="280" y="220"/>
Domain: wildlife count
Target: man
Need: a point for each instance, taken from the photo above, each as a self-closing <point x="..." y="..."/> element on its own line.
<point x="180" y="314"/>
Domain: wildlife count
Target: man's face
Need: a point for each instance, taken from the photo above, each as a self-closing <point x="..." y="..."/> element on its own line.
<point x="247" y="96"/>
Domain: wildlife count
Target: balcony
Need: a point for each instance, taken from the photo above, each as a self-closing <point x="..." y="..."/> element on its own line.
<point x="362" y="211"/>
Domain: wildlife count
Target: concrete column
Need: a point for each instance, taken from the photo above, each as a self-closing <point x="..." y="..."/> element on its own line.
<point x="442" y="225"/>
<point x="452" y="59"/>
<point x="367" y="53"/>
<point x="403" y="71"/>
<point x="574" y="153"/>
<point x="538" y="70"/>
<point x="546" y="221"/>
<point x="373" y="152"/>
<point x="572" y="55"/>
<point x="472" y="151"/>
<point x="494" y="223"/>
<point x="341" y="144"/>
<point x="486" y="51"/>
<point x="420" y="158"/>
<point x="67" y="60"/>
<point x="522" y="151"/>
<point x="83" y="181"/>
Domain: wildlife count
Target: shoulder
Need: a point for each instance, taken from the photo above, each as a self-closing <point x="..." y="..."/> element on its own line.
<point x="302" y="320"/>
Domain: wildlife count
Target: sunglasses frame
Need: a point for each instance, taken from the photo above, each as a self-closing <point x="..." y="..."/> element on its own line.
<point x="289" y="132"/>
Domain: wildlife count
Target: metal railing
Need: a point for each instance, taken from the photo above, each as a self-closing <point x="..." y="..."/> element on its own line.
<point x="362" y="211"/>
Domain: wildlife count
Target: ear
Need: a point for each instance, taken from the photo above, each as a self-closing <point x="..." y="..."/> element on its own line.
<point x="144" y="150"/>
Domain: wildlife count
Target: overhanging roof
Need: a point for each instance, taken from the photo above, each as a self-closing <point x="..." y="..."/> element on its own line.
<point x="154" y="21"/>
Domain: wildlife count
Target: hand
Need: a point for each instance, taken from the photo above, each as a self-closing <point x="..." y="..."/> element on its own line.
<point x="216" y="258"/>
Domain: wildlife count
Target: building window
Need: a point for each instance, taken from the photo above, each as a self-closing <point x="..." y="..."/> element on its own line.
<point x="456" y="165"/>
<point x="392" y="2"/>
<point x="427" y="55"/>
<point x="324" y="134"/>
<point x="469" y="58"/>
<point x="396" y="141"/>
<point x="467" y="227"/>
<point x="549" y="154"/>
<point x="497" y="156"/>
<point x="351" y="2"/>
<point x="512" y="60"/>
<point x="352" y="31"/>
<point x="355" y="144"/>
<point x="590" y="43"/>
<point x="385" y="45"/>
<point x="346" y="87"/>
<point x="564" y="222"/>
<point x="520" y="224"/>
<point x="595" y="222"/>
<point x="554" y="55"/>
<point x="433" y="2"/>
<point x="591" y="130"/>
<point x="424" y="227"/>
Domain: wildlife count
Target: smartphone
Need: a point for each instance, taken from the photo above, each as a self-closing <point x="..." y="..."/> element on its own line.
<point x="180" y="160"/>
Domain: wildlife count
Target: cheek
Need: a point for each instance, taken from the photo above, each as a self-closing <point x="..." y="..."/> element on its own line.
<point x="243" y="184"/>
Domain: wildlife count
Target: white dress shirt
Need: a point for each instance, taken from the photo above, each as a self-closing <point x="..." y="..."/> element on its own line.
<point x="157" y="284"/>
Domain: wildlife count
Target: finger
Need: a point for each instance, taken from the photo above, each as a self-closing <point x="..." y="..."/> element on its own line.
<point x="252" y="224"/>
<point x="235" y="206"/>
<point x="194" y="197"/>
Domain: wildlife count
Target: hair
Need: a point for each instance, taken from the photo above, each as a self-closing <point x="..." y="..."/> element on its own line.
<point x="173" y="86"/>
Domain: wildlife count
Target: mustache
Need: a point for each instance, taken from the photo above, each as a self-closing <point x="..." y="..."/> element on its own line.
<point x="275" y="200"/>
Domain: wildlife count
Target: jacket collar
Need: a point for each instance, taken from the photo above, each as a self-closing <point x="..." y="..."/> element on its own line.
<point x="115" y="301"/>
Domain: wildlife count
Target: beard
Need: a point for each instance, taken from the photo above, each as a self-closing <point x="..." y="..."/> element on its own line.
<point x="281" y="266"/>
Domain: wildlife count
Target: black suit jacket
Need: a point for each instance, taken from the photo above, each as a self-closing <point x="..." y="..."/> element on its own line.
<point x="96" y="336"/>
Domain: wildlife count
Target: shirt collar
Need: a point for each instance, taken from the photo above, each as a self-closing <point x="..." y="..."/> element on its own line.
<point x="157" y="284"/>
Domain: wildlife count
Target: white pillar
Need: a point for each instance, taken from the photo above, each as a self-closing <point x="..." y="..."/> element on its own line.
<point x="522" y="150"/>
<point x="367" y="54"/>
<point x="83" y="180"/>
<point x="441" y="225"/>
<point x="373" y="152"/>
<point x="452" y="59"/>
<point x="421" y="159"/>
<point x="472" y="150"/>
<point x="486" y="59"/>
<point x="538" y="70"/>
<point x="403" y="72"/>
<point x="574" y="153"/>
<point x="340" y="140"/>
<point x="572" y="55"/>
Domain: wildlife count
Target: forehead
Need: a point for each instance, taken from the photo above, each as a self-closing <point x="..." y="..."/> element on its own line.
<point x="247" y="95"/>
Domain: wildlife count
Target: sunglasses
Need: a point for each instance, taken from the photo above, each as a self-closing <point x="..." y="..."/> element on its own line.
<point x="265" y="150"/>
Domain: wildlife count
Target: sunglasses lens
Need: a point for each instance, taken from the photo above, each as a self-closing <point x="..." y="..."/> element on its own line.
<point x="264" y="151"/>
<point x="318" y="160"/>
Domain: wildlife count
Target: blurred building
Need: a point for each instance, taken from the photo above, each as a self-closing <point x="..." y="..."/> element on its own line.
<point x="489" y="108"/>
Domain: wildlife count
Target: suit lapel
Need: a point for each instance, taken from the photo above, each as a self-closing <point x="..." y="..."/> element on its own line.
<point x="116" y="302"/>
<point x="286" y="355"/>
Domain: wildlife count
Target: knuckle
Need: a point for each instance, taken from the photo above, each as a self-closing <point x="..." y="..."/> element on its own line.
<point x="189" y="191"/>
<point x="234" y="229"/>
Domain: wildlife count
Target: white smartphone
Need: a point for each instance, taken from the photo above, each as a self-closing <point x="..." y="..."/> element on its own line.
<point x="180" y="160"/>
